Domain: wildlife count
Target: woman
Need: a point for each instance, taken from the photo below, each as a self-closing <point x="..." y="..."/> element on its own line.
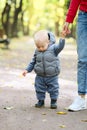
<point x="81" y="5"/>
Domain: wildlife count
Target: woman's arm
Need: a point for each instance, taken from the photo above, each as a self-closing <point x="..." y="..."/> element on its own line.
<point x="74" y="4"/>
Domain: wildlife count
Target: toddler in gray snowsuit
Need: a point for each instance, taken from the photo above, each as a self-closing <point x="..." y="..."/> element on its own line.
<point x="45" y="63"/>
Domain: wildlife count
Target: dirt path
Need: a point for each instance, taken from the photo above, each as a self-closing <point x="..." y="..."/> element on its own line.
<point x="17" y="95"/>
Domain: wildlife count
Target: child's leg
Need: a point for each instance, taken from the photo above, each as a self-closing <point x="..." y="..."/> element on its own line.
<point x="40" y="91"/>
<point x="53" y="90"/>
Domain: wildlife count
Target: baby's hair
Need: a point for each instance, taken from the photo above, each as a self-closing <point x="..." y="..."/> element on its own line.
<point x="41" y="34"/>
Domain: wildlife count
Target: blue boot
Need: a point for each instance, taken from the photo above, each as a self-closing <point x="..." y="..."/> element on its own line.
<point x="53" y="104"/>
<point x="39" y="104"/>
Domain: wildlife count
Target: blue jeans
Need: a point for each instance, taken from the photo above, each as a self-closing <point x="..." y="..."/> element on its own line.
<point x="46" y="84"/>
<point x="82" y="52"/>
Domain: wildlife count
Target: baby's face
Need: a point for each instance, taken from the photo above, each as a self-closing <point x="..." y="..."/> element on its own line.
<point x="41" y="41"/>
<point x="42" y="46"/>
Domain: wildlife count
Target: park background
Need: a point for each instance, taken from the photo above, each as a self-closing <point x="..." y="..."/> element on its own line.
<point x="19" y="20"/>
<point x="25" y="17"/>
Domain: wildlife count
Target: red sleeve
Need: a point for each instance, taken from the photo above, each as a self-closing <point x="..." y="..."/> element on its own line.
<point x="74" y="4"/>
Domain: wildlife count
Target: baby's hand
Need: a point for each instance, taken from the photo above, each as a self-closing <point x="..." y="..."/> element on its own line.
<point x="24" y="73"/>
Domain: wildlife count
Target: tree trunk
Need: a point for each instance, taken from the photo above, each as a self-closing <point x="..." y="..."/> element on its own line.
<point x="15" y="22"/>
<point x="57" y="29"/>
<point x="5" y="18"/>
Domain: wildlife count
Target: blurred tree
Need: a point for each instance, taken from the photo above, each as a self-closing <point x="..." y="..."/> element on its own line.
<point x="10" y="16"/>
<point x="6" y="17"/>
<point x="27" y="16"/>
<point x="67" y="3"/>
<point x="56" y="14"/>
<point x="17" y="11"/>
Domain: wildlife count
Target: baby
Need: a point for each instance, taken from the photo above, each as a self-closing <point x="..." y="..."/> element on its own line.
<point x="45" y="63"/>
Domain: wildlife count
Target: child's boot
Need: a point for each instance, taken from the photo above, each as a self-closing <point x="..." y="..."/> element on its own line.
<point x="39" y="104"/>
<point x="53" y="104"/>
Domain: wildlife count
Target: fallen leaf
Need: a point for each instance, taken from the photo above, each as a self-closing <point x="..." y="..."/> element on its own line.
<point x="61" y="113"/>
<point x="8" y="108"/>
<point x="43" y="113"/>
<point x="62" y="126"/>
<point x="84" y="120"/>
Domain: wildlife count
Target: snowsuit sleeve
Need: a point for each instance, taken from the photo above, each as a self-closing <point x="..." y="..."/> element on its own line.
<point x="30" y="66"/>
<point x="59" y="47"/>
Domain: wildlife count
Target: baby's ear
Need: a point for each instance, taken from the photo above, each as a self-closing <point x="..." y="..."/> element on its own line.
<point x="48" y="36"/>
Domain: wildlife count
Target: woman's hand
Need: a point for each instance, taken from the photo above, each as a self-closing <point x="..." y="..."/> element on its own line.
<point x="66" y="29"/>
